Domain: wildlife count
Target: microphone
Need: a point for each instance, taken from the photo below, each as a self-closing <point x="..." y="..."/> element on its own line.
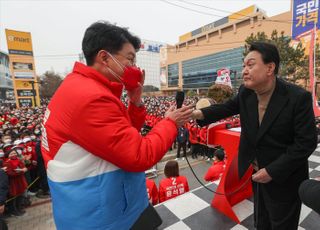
<point x="179" y="99"/>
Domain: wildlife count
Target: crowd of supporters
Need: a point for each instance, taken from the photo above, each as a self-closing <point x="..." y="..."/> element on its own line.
<point x="191" y="135"/>
<point x="21" y="159"/>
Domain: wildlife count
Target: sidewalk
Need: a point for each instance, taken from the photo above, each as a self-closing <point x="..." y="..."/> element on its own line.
<point x="37" y="217"/>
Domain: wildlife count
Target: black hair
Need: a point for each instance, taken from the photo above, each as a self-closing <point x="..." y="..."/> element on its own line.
<point x="269" y="53"/>
<point x="219" y="153"/>
<point x="102" y="35"/>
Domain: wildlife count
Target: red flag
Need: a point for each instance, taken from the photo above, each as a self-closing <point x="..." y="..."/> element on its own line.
<point x="316" y="108"/>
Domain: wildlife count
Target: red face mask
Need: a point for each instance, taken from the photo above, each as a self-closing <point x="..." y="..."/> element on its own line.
<point x="13" y="158"/>
<point x="131" y="76"/>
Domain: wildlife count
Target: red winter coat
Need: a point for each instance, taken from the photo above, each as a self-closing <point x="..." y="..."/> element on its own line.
<point x="172" y="187"/>
<point x="94" y="118"/>
<point x="152" y="191"/>
<point x="92" y="147"/>
<point x="17" y="180"/>
<point x="193" y="135"/>
<point x="215" y="171"/>
<point x="203" y="135"/>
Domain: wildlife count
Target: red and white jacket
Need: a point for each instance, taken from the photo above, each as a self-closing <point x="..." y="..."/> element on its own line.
<point x="172" y="187"/>
<point x="95" y="154"/>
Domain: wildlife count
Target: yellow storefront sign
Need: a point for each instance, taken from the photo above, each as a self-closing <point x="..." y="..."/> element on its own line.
<point x="23" y="84"/>
<point x="242" y="13"/>
<point x="22" y="68"/>
<point x="19" y="42"/>
<point x="185" y="37"/>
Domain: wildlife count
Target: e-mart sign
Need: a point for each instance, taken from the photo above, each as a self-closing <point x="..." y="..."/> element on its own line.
<point x="19" y="43"/>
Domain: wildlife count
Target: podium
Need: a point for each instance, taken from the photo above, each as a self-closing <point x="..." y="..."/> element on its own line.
<point x="234" y="190"/>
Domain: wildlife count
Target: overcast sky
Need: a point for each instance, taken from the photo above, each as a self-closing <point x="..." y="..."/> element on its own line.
<point x="57" y="27"/>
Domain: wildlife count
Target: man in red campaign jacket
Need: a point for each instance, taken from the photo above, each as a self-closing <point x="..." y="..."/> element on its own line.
<point x="203" y="135"/>
<point x="174" y="185"/>
<point x="217" y="168"/>
<point x="152" y="191"/>
<point x="91" y="142"/>
<point x="193" y="138"/>
<point x="203" y="141"/>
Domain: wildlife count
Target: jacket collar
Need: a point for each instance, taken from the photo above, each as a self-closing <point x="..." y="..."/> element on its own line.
<point x="277" y="102"/>
<point x="87" y="71"/>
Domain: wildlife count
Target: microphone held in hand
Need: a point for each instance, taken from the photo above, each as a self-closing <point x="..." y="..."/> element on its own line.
<point x="179" y="98"/>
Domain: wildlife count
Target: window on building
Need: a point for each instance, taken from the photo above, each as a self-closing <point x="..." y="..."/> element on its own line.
<point x="173" y="75"/>
<point x="201" y="72"/>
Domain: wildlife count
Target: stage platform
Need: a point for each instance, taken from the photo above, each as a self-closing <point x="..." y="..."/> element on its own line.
<point x="193" y="211"/>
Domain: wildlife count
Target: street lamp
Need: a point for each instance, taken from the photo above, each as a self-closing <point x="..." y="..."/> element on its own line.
<point x="34" y="92"/>
<point x="234" y="72"/>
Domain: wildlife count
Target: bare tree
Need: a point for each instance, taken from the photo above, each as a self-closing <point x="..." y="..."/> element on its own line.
<point x="50" y="81"/>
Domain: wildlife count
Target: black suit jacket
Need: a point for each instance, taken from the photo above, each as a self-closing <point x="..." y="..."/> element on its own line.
<point x="284" y="141"/>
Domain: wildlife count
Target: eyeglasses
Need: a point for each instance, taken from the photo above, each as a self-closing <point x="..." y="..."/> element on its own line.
<point x="132" y="60"/>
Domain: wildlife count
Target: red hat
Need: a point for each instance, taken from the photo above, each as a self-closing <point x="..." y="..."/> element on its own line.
<point x="14" y="120"/>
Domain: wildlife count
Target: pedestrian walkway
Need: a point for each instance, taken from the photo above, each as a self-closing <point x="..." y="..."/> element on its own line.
<point x="37" y="217"/>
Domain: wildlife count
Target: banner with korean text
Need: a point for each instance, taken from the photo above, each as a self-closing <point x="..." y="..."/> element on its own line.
<point x="305" y="16"/>
<point x="22" y="67"/>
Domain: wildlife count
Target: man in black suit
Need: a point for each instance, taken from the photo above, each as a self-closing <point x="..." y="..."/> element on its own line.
<point x="278" y="134"/>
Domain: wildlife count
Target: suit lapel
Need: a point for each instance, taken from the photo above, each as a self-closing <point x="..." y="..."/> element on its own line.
<point x="277" y="102"/>
<point x="252" y="121"/>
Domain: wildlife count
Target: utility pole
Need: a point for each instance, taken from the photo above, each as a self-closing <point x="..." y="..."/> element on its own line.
<point x="34" y="92"/>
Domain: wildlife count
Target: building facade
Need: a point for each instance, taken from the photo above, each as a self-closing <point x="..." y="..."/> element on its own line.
<point x="194" y="61"/>
<point x="6" y="84"/>
<point x="148" y="58"/>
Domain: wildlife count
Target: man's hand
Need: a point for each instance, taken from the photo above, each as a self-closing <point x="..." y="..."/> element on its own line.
<point x="1" y="209"/>
<point x="197" y="115"/>
<point x="262" y="176"/>
<point x="135" y="94"/>
<point x="180" y="116"/>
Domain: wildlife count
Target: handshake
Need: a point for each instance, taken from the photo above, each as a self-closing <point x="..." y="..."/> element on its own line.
<point x="183" y="115"/>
